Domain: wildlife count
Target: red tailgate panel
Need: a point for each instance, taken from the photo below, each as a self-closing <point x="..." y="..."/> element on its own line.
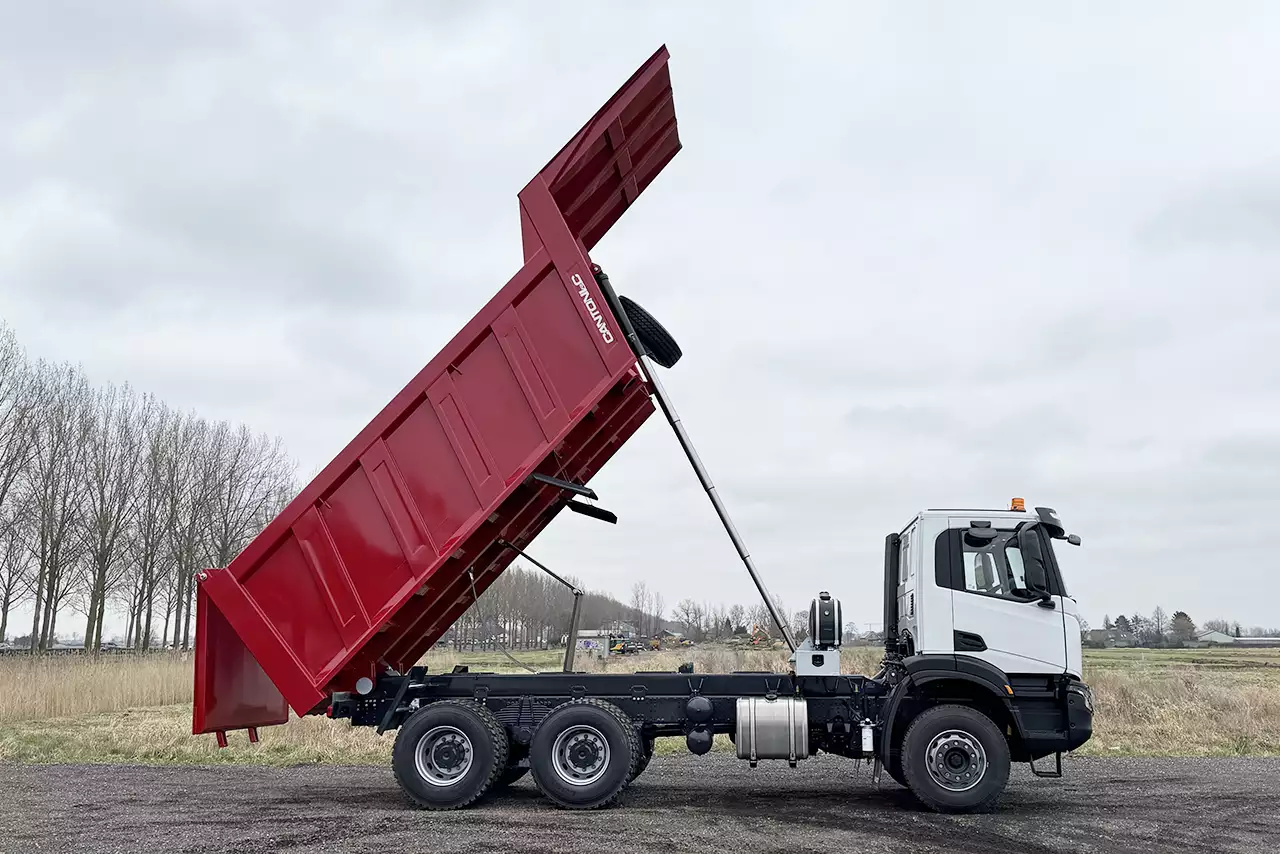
<point x="366" y="568"/>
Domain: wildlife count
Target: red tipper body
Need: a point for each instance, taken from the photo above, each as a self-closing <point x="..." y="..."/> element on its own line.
<point x="367" y="567"/>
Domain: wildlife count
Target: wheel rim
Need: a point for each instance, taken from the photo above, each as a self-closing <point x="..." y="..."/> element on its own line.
<point x="444" y="755"/>
<point x="956" y="760"/>
<point x="581" y="755"/>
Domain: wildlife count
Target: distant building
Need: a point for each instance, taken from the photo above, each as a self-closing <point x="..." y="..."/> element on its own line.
<point x="1264" y="642"/>
<point x="1211" y="636"/>
<point x="1098" y="637"/>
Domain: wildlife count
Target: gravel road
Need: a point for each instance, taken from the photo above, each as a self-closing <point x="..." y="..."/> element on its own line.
<point x="682" y="803"/>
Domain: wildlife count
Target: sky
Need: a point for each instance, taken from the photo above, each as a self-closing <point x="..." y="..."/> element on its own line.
<point x="929" y="256"/>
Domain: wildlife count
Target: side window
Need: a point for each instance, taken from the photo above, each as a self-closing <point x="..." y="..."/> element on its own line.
<point x="905" y="570"/>
<point x="994" y="567"/>
<point x="1013" y="557"/>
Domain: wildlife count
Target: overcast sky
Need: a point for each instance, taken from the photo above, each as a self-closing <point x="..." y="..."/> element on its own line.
<point x="915" y="258"/>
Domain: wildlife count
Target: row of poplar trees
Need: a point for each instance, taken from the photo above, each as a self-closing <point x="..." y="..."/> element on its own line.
<point x="111" y="501"/>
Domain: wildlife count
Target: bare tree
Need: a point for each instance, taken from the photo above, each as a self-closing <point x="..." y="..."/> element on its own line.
<point x="758" y="614"/>
<point x="737" y="616"/>
<point x="659" y="606"/>
<point x="115" y="454"/>
<point x="639" y="597"/>
<point x="15" y="567"/>
<point x="250" y="475"/>
<point x="800" y="625"/>
<point x="719" y="620"/>
<point x="191" y="474"/>
<point x="149" y="564"/>
<point x="1159" y="622"/>
<point x="17" y="418"/>
<point x="57" y="476"/>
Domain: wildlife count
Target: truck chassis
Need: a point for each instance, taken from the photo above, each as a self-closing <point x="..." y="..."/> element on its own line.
<point x="947" y="727"/>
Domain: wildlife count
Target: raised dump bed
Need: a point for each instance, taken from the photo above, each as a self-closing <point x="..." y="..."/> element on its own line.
<point x="381" y="553"/>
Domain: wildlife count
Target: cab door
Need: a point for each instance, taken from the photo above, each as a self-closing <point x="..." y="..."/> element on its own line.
<point x="996" y="616"/>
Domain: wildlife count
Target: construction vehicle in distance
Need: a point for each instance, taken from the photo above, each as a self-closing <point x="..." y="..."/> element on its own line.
<point x="329" y="610"/>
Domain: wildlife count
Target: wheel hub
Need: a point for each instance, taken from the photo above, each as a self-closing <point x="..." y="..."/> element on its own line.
<point x="444" y="755"/>
<point x="585" y="755"/>
<point x="581" y="755"/>
<point x="956" y="760"/>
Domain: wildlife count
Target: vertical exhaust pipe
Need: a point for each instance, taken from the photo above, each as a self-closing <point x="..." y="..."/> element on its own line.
<point x="892" y="558"/>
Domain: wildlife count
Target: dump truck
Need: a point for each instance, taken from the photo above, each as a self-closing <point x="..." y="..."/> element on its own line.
<point x="329" y="610"/>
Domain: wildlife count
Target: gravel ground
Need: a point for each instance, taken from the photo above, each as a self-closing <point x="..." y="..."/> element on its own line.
<point x="682" y="803"/>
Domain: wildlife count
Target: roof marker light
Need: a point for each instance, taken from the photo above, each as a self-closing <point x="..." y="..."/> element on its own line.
<point x="1019" y="505"/>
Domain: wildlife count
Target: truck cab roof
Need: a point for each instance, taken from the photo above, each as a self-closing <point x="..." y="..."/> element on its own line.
<point x="1047" y="515"/>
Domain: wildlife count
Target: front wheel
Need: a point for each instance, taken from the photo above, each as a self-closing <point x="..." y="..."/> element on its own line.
<point x="955" y="759"/>
<point x="894" y="768"/>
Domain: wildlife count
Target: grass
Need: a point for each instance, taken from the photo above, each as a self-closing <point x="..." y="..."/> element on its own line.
<point x="138" y="709"/>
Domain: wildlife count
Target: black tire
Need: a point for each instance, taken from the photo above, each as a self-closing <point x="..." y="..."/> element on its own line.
<point x="662" y="347"/>
<point x="894" y="768"/>
<point x="517" y="766"/>
<point x="457" y="728"/>
<point x="974" y="729"/>
<point x="513" y="774"/>
<point x="612" y="740"/>
<point x="646" y="753"/>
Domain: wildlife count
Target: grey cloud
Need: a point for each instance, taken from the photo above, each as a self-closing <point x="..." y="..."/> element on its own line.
<point x="1242" y="210"/>
<point x="914" y="259"/>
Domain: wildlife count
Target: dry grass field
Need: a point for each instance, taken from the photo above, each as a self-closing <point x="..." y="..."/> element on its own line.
<point x="137" y="709"/>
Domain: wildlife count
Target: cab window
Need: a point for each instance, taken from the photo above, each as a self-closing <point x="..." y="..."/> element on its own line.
<point x="994" y="567"/>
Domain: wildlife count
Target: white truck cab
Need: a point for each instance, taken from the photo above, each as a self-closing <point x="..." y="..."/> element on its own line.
<point x="986" y="584"/>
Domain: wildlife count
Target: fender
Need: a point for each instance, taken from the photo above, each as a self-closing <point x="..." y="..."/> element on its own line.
<point x="923" y="669"/>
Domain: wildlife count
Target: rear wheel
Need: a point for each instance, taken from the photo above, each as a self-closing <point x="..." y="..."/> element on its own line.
<point x="517" y="766"/>
<point x="583" y="754"/>
<point x="955" y="759"/>
<point x="449" y="754"/>
<point x="512" y="774"/>
<point x="646" y="753"/>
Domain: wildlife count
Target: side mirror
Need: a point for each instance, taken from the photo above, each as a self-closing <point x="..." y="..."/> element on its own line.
<point x="1028" y="542"/>
<point x="1074" y="539"/>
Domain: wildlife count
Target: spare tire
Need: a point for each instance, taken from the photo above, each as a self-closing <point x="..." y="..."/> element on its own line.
<point x="662" y="348"/>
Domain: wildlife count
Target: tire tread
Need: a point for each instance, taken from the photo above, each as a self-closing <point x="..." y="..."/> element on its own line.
<point x="920" y="791"/>
<point x="633" y="736"/>
<point x="501" y="749"/>
<point x="661" y="345"/>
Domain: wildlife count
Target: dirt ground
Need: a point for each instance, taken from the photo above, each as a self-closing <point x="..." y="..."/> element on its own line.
<point x="682" y="803"/>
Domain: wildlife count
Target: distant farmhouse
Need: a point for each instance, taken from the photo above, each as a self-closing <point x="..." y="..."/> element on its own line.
<point x="1215" y="638"/>
<point x="1108" y="638"/>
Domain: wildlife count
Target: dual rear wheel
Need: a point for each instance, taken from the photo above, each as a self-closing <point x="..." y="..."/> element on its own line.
<point x="583" y="754"/>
